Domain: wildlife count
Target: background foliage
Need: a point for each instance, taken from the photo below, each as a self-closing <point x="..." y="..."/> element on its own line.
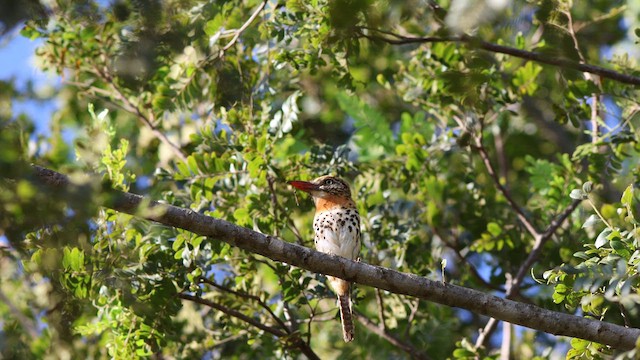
<point x="455" y="153"/>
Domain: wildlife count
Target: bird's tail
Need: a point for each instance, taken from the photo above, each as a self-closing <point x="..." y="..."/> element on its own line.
<point x="344" y="303"/>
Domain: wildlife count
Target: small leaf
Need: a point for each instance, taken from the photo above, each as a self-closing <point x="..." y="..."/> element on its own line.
<point x="494" y="229"/>
<point x="591" y="220"/>
<point x="579" y="344"/>
<point x="620" y="248"/>
<point x="601" y="240"/>
<point x="577" y="194"/>
<point x="587" y="187"/>
<point x="627" y="196"/>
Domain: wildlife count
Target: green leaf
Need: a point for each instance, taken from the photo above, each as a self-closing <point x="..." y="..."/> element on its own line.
<point x="192" y="164"/>
<point x="494" y="229"/>
<point x="373" y="135"/>
<point x="579" y="344"/>
<point x="242" y="217"/>
<point x="620" y="248"/>
<point x="213" y="26"/>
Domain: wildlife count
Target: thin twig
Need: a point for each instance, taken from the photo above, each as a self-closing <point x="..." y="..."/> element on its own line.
<point x="485" y="45"/>
<point x="485" y="333"/>
<point x="381" y="317"/>
<point x="244" y="26"/>
<point x="274" y="202"/>
<point x="515" y="284"/>
<point x="296" y="341"/>
<point x="503" y="190"/>
<point x="27" y="324"/>
<point x="474" y="272"/>
<point x="376" y="329"/>
<point x="219" y="54"/>
<point x="251" y="321"/>
<point x="250" y="297"/>
<point x="132" y="108"/>
<point x="625" y="315"/>
<point x="536" y="251"/>
<point x="595" y="97"/>
<point x="412" y="316"/>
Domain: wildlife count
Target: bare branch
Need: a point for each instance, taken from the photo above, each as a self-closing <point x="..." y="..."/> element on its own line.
<point x="396" y="39"/>
<point x="234" y="313"/>
<point x="244" y="26"/>
<point x="412" y="315"/>
<point x="540" y="241"/>
<point x="244" y="295"/>
<point x="379" y="277"/>
<point x="505" y="192"/>
<point x="129" y="106"/>
<point x="296" y="341"/>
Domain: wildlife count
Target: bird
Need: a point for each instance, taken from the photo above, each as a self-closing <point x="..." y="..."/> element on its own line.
<point x="336" y="226"/>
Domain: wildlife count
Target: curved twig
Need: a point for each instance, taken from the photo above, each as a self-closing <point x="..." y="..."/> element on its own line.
<point x="396" y="39"/>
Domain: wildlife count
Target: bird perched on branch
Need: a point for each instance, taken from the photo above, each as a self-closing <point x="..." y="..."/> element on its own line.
<point x="337" y="231"/>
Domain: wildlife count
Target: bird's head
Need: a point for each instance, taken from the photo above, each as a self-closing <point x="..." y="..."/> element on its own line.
<point x="324" y="187"/>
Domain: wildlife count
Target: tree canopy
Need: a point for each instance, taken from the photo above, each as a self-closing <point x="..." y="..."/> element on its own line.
<point x="492" y="148"/>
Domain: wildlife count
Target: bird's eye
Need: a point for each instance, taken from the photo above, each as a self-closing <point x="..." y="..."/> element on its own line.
<point x="329" y="182"/>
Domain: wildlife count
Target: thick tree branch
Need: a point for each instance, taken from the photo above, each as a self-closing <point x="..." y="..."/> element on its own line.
<point x="396" y="39"/>
<point x="394" y="281"/>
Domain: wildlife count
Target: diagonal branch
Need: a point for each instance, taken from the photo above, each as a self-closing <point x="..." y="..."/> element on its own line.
<point x="396" y="39"/>
<point x="395" y="341"/>
<point x="219" y="54"/>
<point x="536" y="251"/>
<point x="255" y="298"/>
<point x="379" y="277"/>
<point x="129" y="106"/>
<point x="505" y="192"/>
<point x="297" y="342"/>
<point x="27" y="324"/>
<point x="514" y="285"/>
<point x="244" y="27"/>
<point x="235" y="314"/>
